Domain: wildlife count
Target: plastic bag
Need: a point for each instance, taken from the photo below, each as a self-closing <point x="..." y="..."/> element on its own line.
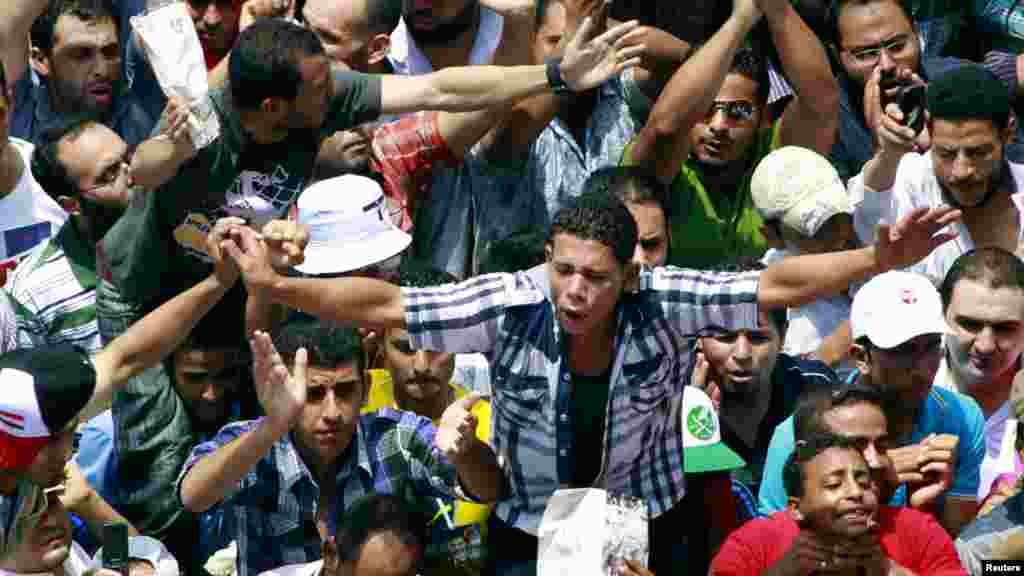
<point x="169" y="39"/>
<point x="588" y="531"/>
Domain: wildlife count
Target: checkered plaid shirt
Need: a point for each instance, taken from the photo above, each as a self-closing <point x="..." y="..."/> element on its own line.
<point x="404" y="153"/>
<point x="272" y="511"/>
<point x="511" y="319"/>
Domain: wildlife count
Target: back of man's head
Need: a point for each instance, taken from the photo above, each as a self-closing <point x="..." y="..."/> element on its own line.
<point x="520" y="250"/>
<point x="399" y="532"/>
<point x="265" y="61"/>
<point x="600" y="217"/>
<point x="48" y="168"/>
<point x="989" y="265"/>
<point x="44" y="27"/>
<point x="969" y="92"/>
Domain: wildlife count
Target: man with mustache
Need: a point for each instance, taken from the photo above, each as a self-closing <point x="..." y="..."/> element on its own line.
<point x="833" y="524"/>
<point x="437" y="34"/>
<point x="970" y="124"/>
<point x="420" y="381"/>
<point x="78" y="60"/>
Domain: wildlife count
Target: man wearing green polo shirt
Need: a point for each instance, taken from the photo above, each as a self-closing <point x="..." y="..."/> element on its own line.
<point x="705" y="136"/>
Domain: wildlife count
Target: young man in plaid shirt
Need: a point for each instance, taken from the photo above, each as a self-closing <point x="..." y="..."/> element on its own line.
<point x="575" y="357"/>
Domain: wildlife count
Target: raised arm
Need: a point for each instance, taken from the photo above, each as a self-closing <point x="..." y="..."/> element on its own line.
<point x="586" y="64"/>
<point x="793" y="282"/>
<point x="159" y="333"/>
<point x="362" y="301"/>
<point x="16" y="18"/>
<point x="663" y="143"/>
<point x="282" y="396"/>
<point x="811" y="120"/>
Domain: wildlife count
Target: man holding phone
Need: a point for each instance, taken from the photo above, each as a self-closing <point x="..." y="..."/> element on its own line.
<point x="970" y="126"/>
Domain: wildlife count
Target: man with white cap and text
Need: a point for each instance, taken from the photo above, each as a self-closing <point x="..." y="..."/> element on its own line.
<point x="936" y="435"/>
<point x="806" y="210"/>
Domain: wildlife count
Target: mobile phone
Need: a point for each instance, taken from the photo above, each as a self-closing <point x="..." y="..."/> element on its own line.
<point x="911" y="102"/>
<point x="115" y="547"/>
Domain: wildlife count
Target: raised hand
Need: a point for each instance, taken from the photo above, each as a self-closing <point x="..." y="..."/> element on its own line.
<point x="282" y="394"/>
<point x="225" y="268"/>
<point x="77" y="490"/>
<point x="705" y="378"/>
<point x="936" y="462"/>
<point x="286" y="240"/>
<point x="456" y="433"/>
<point x="914" y="237"/>
<point x="589" y="62"/>
<point x="248" y="250"/>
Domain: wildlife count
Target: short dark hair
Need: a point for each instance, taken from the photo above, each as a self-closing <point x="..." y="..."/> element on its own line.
<point x="811" y="407"/>
<point x="969" y="92"/>
<point x="382" y="16"/>
<point x="44" y="27"/>
<point x="47" y="168"/>
<point x="777" y="316"/>
<point x="598" y="216"/>
<point x="327" y="345"/>
<point x="375" y="514"/>
<point x="265" y="61"/>
<point x="520" y="250"/>
<point x="632" y="185"/>
<point x="995" y="267"/>
<point x="748" y="62"/>
<point x="419" y="274"/>
<point x="835" y="7"/>
<point x="793" y="476"/>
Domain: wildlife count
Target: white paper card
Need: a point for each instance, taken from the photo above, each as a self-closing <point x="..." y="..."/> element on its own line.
<point x="172" y="47"/>
<point x="588" y="531"/>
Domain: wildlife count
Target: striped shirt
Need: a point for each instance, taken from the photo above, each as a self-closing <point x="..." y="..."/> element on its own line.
<point x="53" y="292"/>
<point x="511" y="319"/>
<point x="271" y="513"/>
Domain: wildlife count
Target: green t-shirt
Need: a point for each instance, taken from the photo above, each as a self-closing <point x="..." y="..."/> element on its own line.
<point x="157" y="249"/>
<point x="709" y="228"/>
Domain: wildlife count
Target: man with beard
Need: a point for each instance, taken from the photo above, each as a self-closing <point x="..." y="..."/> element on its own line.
<point x="78" y="60"/>
<point x="897" y="328"/>
<point x="758" y="385"/>
<point x="970" y="126"/>
<point x="704" y="136"/>
<point x="880" y="44"/>
<point x="834" y="524"/>
<point x="420" y="381"/>
<point x="438" y="34"/>
<point x="983" y="298"/>
<point x="83" y="166"/>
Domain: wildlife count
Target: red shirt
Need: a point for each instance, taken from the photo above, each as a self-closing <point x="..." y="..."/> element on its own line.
<point x="404" y="153"/>
<point x="911" y="538"/>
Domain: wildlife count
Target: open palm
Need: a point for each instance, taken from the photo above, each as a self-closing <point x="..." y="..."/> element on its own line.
<point x="589" y="62"/>
<point x="282" y="394"/>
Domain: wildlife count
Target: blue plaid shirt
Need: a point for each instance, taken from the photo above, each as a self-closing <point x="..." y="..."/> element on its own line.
<point x="272" y="511"/>
<point x="511" y="319"/>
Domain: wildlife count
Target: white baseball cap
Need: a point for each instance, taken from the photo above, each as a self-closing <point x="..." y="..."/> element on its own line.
<point x="799" y="187"/>
<point x="703" y="449"/>
<point x="349" y="226"/>
<point x="149" y="549"/>
<point x="894" y="307"/>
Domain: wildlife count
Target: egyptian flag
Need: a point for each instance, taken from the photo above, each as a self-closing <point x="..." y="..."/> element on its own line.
<point x="41" y="391"/>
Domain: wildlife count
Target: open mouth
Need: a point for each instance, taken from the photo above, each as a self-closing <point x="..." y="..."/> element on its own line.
<point x="102" y="93"/>
<point x="741" y="376"/>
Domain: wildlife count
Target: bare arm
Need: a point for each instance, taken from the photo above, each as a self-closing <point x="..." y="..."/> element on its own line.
<point x="159" y="158"/>
<point x="151" y="339"/>
<point x="811" y="120"/>
<point x="796" y="281"/>
<point x="361" y="301"/>
<point x="663" y="142"/>
<point x="16" y="18"/>
<point x="836" y="346"/>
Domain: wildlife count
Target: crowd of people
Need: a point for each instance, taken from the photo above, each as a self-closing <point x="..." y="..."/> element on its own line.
<point x="756" y="267"/>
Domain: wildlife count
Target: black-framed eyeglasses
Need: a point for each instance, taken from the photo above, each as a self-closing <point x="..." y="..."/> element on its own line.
<point x="869" y="55"/>
<point x="735" y="110"/>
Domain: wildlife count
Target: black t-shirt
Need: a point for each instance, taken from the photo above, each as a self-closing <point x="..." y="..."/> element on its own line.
<point x="590" y="410"/>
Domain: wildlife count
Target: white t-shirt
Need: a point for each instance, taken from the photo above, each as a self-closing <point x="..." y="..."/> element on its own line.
<point x="407" y="58"/>
<point x="28" y="216"/>
<point x="916" y="187"/>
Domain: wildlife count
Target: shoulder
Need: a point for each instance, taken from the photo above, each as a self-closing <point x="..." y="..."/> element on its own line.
<point x="965" y="412"/>
<point x="811" y="372"/>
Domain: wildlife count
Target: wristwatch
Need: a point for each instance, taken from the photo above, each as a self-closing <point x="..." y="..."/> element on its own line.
<point x="555" y="79"/>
